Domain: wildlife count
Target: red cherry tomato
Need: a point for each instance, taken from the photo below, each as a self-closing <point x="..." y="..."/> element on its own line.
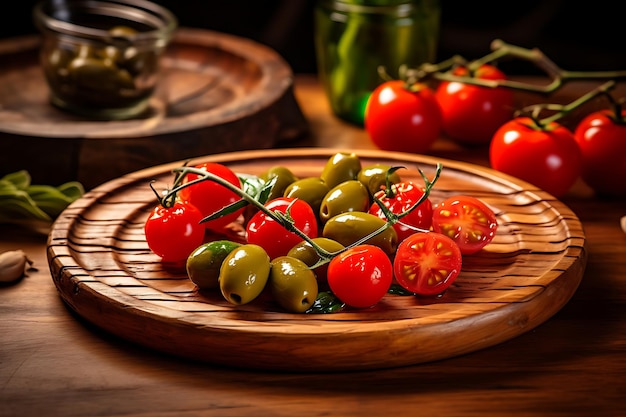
<point x="471" y="114"/>
<point x="402" y="197"/>
<point x="264" y="231"/>
<point x="360" y="276"/>
<point x="210" y="197"/>
<point x="427" y="263"/>
<point x="602" y="141"/>
<point x="466" y="220"/>
<point x="547" y="157"/>
<point x="174" y="232"/>
<point x="401" y="119"/>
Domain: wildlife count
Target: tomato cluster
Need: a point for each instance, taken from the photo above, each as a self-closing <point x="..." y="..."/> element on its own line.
<point x="174" y="228"/>
<point x="338" y="244"/>
<point x="553" y="157"/>
<point x="410" y="116"/>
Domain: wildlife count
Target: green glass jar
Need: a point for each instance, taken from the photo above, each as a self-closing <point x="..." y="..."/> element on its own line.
<point x="354" y="37"/>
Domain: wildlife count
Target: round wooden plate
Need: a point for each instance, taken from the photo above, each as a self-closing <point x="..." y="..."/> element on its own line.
<point x="104" y="271"/>
<point x="216" y="93"/>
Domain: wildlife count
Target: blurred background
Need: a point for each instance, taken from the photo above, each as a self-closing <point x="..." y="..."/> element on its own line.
<point x="575" y="38"/>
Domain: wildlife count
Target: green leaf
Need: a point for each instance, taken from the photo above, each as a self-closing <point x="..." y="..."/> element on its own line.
<point x="398" y="290"/>
<point x="21" y="179"/>
<point x="266" y="190"/>
<point x="73" y="190"/>
<point x="325" y="303"/>
<point x="20" y="205"/>
<point x="231" y="208"/>
<point x="251" y="184"/>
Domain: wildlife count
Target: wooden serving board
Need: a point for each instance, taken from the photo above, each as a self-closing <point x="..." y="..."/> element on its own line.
<point x="103" y="270"/>
<point x="216" y="93"/>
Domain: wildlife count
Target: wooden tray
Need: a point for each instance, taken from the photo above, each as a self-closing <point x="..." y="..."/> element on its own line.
<point x="217" y="93"/>
<point x="104" y="271"/>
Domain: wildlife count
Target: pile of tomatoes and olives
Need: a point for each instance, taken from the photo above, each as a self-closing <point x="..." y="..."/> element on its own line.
<point x="472" y="103"/>
<point x="343" y="239"/>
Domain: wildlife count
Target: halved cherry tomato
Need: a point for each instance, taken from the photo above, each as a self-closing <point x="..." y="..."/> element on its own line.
<point x="360" y="276"/>
<point x="174" y="232"/>
<point x="471" y="114"/>
<point x="427" y="263"/>
<point x="601" y="137"/>
<point x="210" y="197"/>
<point x="264" y="231"/>
<point x="467" y="221"/>
<point x="400" y="198"/>
<point x="403" y="118"/>
<point x="545" y="156"/>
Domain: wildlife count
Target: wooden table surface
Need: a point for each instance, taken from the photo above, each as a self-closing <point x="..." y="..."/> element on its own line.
<point x="52" y="363"/>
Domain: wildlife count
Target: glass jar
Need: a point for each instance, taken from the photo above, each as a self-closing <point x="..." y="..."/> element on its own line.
<point x="100" y="58"/>
<point x="354" y="37"/>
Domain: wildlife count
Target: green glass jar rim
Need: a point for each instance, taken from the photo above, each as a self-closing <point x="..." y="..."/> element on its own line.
<point x="163" y="21"/>
<point x="398" y="9"/>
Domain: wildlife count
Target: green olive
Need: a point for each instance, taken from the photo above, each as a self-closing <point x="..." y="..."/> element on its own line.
<point x="58" y="61"/>
<point x="350" y="195"/>
<point x="307" y="254"/>
<point x="122" y="31"/>
<point x="310" y="189"/>
<point x="284" y="177"/>
<point x="99" y="74"/>
<point x="204" y="263"/>
<point x="375" y="176"/>
<point x="244" y="274"/>
<point x="347" y="228"/>
<point x="293" y="284"/>
<point x="342" y="166"/>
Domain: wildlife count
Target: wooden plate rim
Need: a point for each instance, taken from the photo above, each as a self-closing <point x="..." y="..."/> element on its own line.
<point x="571" y="266"/>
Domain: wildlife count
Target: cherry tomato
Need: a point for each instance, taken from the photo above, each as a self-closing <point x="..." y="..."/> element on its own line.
<point x="547" y="157"/>
<point x="471" y="114"/>
<point x="174" y="232"/>
<point x="466" y="220"/>
<point x="401" y="198"/>
<point x="264" y="231"/>
<point x="602" y="141"/>
<point x="427" y="263"/>
<point x="401" y="118"/>
<point x="360" y="276"/>
<point x="210" y="197"/>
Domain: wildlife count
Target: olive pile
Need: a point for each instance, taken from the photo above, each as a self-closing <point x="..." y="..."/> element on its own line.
<point x="108" y="75"/>
<point x="340" y="198"/>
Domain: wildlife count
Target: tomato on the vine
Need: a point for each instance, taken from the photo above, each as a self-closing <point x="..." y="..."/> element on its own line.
<point x="360" y="276"/>
<point x="174" y="232"/>
<point x="470" y="113"/>
<point x="427" y="263"/>
<point x="468" y="221"/>
<point x="401" y="117"/>
<point x="210" y="197"/>
<point x="264" y="231"/>
<point x="400" y="198"/>
<point x="601" y="137"/>
<point x="545" y="156"/>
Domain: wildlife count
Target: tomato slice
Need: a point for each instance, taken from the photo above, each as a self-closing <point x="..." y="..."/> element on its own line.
<point x="466" y="220"/>
<point x="427" y="263"/>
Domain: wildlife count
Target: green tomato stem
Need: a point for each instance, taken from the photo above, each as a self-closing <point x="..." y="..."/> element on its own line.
<point x="502" y="49"/>
<point x="561" y="111"/>
<point x="284" y="219"/>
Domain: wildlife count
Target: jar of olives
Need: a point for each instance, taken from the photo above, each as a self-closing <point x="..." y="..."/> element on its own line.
<point x="101" y="58"/>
